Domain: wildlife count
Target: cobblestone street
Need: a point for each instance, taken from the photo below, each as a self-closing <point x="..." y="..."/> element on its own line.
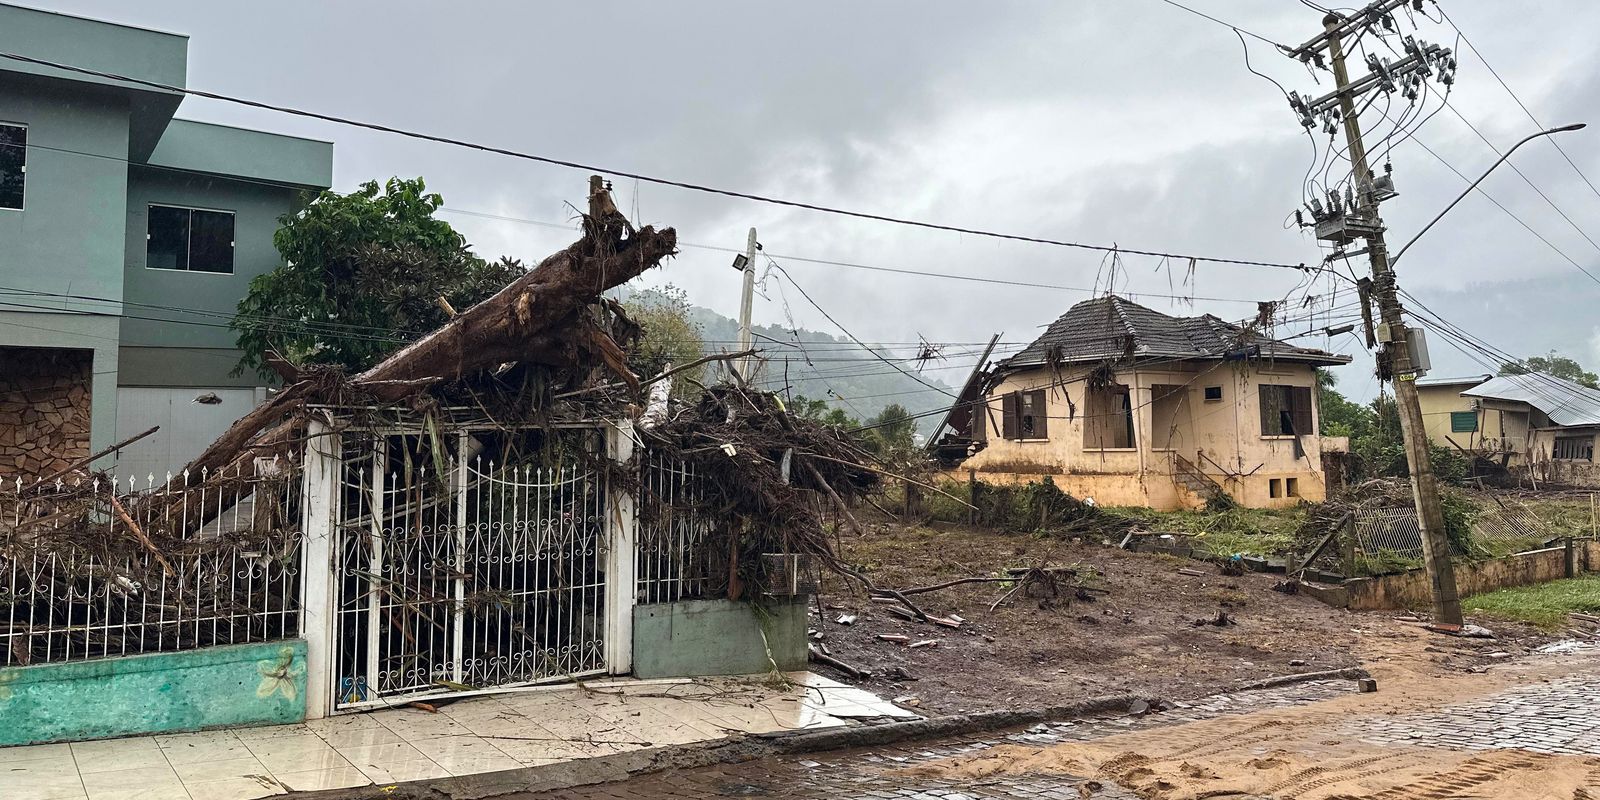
<point x="1532" y="735"/>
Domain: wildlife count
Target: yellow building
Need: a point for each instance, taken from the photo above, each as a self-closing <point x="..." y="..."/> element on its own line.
<point x="1133" y="407"/>
<point x="1534" y="424"/>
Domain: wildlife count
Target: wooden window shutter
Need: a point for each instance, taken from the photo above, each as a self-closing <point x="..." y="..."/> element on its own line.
<point x="1270" y="399"/>
<point x="1300" y="410"/>
<point x="1008" y="416"/>
<point x="1041" y="420"/>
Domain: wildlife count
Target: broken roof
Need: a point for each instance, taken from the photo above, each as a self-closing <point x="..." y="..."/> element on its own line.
<point x="1566" y="403"/>
<point x="1112" y="327"/>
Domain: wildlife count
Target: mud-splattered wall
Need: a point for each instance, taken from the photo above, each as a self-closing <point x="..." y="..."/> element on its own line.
<point x="44" y="409"/>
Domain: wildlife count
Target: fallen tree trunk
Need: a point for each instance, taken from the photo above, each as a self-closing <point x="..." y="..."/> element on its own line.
<point x="549" y="316"/>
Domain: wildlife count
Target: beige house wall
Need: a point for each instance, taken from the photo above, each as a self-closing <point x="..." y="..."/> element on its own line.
<point x="1221" y="437"/>
<point x="1501" y="425"/>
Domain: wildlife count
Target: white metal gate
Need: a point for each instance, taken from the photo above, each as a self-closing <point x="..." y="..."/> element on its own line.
<point x="459" y="565"/>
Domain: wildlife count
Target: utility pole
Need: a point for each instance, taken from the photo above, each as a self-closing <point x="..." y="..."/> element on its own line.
<point x="1345" y="221"/>
<point x="748" y="263"/>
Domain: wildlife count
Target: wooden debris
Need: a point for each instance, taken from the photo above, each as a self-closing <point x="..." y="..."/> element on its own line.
<point x="924" y="643"/>
<point x="1194" y="573"/>
<point x="843" y="666"/>
<point x="897" y="638"/>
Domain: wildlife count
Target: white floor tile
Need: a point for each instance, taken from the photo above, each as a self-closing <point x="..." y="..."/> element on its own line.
<point x="194" y="748"/>
<point x="414" y="724"/>
<point x="114" y="755"/>
<point x="42" y="779"/>
<point x="234" y="788"/>
<point x="465" y="755"/>
<point x="393" y="762"/>
<point x="296" y="754"/>
<point x="221" y="769"/>
<point x="33" y="752"/>
<point x="142" y="783"/>
<point x="313" y="780"/>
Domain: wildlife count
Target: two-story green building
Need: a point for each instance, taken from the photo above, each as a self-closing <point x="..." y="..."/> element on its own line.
<point x="127" y="237"/>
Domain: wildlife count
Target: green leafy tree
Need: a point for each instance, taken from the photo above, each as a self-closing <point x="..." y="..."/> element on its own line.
<point x="890" y="434"/>
<point x="670" y="337"/>
<point x="1383" y="452"/>
<point x="1553" y="364"/>
<point x="819" y="410"/>
<point x="1339" y="415"/>
<point x="363" y="274"/>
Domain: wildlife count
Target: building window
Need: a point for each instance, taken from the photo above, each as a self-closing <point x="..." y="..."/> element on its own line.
<point x="1024" y="416"/>
<point x="13" y="165"/>
<point x="1285" y="410"/>
<point x="189" y="239"/>
<point x="1108" y="419"/>
<point x="1573" y="448"/>
<point x="1291" y="487"/>
<point x="1463" y="421"/>
<point x="1274" y="487"/>
<point x="1213" y="393"/>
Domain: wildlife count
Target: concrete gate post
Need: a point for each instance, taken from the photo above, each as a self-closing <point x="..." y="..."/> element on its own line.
<point x="622" y="524"/>
<point x="318" y="501"/>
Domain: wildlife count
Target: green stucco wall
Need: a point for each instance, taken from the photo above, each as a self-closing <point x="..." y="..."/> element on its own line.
<point x="717" y="637"/>
<point x="248" y="684"/>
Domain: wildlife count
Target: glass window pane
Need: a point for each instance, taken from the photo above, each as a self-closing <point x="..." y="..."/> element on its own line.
<point x="211" y="242"/>
<point x="168" y="243"/>
<point x="13" y="163"/>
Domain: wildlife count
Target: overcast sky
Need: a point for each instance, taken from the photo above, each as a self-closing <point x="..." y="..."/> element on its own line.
<point x="1103" y="121"/>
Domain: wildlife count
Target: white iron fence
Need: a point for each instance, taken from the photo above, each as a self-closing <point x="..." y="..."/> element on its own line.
<point x="122" y="566"/>
<point x="672" y="562"/>
<point x="458" y="571"/>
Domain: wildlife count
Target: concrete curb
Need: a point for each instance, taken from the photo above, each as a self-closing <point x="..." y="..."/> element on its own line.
<point x="746" y="747"/>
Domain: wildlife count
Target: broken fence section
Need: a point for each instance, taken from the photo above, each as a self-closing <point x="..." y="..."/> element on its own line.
<point x="115" y="566"/>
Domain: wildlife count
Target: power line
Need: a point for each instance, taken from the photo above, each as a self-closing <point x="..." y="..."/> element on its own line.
<point x="699" y="246"/>
<point x="634" y="175"/>
<point x="1520" y="104"/>
<point x="1236" y="28"/>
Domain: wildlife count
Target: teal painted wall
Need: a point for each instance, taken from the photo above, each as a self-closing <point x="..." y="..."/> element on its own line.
<point x="717" y="637"/>
<point x="248" y="684"/>
<point x="256" y="210"/>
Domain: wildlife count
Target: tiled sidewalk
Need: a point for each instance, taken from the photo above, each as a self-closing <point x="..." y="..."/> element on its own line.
<point x="476" y="735"/>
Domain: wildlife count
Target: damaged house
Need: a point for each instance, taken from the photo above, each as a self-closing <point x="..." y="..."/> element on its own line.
<point x="1534" y="425"/>
<point x="1132" y="407"/>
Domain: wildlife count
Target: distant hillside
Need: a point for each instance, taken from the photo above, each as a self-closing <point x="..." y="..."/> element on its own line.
<point x="833" y="368"/>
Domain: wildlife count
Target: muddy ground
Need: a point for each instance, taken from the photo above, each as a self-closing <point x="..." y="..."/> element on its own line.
<point x="1140" y="637"/>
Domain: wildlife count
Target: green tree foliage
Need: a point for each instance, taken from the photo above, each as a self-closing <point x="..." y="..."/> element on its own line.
<point x="670" y="337"/>
<point x="819" y="410"/>
<point x="891" y="434"/>
<point x="1553" y="364"/>
<point x="363" y="273"/>
<point x="1340" y="416"/>
<point x="1383" y="453"/>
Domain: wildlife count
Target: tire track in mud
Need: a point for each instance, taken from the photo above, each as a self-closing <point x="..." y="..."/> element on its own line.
<point x="1325" y="775"/>
<point x="1470" y="774"/>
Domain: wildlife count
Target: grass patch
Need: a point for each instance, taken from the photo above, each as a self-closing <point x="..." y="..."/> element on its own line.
<point x="1252" y="531"/>
<point x="1545" y="604"/>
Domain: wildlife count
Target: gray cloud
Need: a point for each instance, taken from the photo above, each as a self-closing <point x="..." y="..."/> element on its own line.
<point x="1128" y="122"/>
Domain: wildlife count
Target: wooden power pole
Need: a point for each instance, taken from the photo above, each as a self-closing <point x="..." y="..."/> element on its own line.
<point x="1343" y="223"/>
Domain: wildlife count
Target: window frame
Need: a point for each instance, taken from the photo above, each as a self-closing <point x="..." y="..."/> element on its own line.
<point x="22" y="126"/>
<point x="233" y="242"/>
<point x="1462" y="415"/>
<point x="1290" y="392"/>
<point x="1011" y="414"/>
<point x="1583" y="444"/>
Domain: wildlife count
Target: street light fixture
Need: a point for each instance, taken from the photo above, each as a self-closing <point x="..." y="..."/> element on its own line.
<point x="1564" y="128"/>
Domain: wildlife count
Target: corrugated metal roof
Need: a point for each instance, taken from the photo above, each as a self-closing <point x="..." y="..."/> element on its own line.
<point x="1449" y="381"/>
<point x="1566" y="403"/>
<point x="1111" y="327"/>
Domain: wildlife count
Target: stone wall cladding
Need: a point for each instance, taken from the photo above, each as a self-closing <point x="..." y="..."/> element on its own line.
<point x="44" y="409"/>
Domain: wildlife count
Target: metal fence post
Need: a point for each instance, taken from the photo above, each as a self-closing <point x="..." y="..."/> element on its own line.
<point x="318" y="498"/>
<point x="622" y="536"/>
